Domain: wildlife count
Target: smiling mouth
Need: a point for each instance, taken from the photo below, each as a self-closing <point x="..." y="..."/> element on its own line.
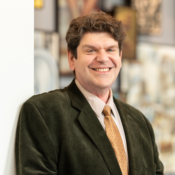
<point x="102" y="69"/>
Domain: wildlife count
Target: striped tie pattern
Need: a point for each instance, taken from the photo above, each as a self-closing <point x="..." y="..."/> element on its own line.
<point x="115" y="139"/>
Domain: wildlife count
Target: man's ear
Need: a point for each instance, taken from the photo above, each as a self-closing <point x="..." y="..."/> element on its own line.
<point x="71" y="60"/>
<point x="121" y="58"/>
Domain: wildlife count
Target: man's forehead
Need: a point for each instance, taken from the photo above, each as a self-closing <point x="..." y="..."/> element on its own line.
<point x="92" y="39"/>
<point x="97" y="33"/>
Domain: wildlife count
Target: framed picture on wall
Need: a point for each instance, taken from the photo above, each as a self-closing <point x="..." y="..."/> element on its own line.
<point x="45" y="15"/>
<point x="148" y="16"/>
<point x="128" y="18"/>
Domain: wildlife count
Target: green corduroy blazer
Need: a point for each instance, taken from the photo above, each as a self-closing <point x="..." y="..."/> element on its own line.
<point x="59" y="133"/>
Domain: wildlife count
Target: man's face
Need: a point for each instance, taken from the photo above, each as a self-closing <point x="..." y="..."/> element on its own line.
<point x="98" y="62"/>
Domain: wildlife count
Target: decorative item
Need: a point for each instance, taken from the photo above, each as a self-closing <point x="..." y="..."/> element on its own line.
<point x="46" y="72"/>
<point x="38" y="4"/>
<point x="148" y="16"/>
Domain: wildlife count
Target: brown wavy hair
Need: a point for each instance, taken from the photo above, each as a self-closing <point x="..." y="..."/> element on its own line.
<point x="95" y="22"/>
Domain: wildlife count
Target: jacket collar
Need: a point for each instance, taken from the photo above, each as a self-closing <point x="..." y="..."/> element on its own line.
<point x="77" y="98"/>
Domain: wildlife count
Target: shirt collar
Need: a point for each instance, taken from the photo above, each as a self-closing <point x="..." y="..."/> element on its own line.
<point x="96" y="103"/>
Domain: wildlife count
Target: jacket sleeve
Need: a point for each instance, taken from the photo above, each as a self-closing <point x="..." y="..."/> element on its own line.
<point x="34" y="148"/>
<point x="158" y="164"/>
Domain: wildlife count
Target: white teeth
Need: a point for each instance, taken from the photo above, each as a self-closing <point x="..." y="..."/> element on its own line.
<point x="102" y="70"/>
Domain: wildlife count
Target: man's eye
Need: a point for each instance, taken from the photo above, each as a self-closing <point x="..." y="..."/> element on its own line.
<point x="111" y="50"/>
<point x="90" y="50"/>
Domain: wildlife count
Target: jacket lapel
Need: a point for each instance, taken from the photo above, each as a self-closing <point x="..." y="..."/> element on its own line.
<point x="133" y="138"/>
<point x="89" y="122"/>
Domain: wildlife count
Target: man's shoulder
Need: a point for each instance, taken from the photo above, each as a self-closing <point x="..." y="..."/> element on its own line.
<point x="126" y="106"/>
<point x="48" y="98"/>
<point x="134" y="113"/>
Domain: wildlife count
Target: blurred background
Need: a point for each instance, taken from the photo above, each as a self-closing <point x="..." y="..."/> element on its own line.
<point x="147" y="77"/>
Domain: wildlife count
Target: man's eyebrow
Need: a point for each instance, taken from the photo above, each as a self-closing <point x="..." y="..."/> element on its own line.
<point x="93" y="47"/>
<point x="89" y="46"/>
<point x="112" y="46"/>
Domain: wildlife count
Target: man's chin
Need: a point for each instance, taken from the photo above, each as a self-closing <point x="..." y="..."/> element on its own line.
<point x="103" y="86"/>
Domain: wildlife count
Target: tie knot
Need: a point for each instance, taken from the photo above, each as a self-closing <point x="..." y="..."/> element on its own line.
<point x="107" y="110"/>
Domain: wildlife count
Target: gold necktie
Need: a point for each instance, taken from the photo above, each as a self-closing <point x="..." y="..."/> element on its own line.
<point x="115" y="139"/>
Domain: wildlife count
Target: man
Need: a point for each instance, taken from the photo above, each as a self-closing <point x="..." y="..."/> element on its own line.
<point x="82" y="129"/>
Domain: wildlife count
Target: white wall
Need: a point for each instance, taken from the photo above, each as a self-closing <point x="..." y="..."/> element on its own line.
<point x="16" y="72"/>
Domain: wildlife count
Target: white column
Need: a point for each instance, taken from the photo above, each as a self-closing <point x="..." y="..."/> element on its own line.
<point x="16" y="72"/>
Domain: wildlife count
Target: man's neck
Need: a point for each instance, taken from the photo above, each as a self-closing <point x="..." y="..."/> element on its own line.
<point x="104" y="97"/>
<point x="104" y="94"/>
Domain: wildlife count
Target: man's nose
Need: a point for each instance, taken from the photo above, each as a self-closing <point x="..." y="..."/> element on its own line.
<point x="102" y="56"/>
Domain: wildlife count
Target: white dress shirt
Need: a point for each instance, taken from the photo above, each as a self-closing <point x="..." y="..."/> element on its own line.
<point x="97" y="105"/>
